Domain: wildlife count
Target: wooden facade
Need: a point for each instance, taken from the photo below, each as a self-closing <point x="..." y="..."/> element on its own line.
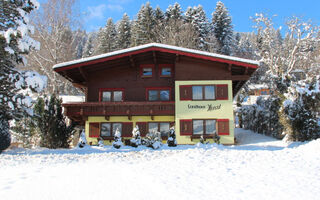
<point x="138" y="73"/>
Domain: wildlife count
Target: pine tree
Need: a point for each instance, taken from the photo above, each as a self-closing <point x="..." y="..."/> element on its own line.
<point x="159" y="24"/>
<point x="117" y="139"/>
<point x="172" y="142"/>
<point x="89" y="47"/>
<point x="136" y="138"/>
<point x="174" y="12"/>
<point x="124" y="32"/>
<point x="222" y="29"/>
<point x="14" y="41"/>
<point x="142" y="31"/>
<point x="107" y="38"/>
<point x="197" y="17"/>
<point x="54" y="131"/>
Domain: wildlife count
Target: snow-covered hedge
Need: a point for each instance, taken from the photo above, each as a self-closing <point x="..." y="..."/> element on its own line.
<point x="294" y="115"/>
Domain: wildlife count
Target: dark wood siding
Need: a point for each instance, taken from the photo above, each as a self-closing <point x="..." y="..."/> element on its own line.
<point x="142" y="128"/>
<point x="193" y="69"/>
<point x="127" y="77"/>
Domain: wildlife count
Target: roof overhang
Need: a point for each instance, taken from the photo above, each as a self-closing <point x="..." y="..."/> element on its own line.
<point x="156" y="47"/>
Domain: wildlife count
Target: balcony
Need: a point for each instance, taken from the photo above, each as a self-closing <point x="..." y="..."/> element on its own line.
<point x="80" y="111"/>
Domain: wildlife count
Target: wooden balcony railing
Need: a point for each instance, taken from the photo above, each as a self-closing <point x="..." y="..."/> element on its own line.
<point x="107" y="109"/>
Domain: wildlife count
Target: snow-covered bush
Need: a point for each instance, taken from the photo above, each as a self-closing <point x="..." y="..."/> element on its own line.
<point x="302" y="109"/>
<point x="216" y="138"/>
<point x="117" y="139"/>
<point x="172" y="142"/>
<point x="136" y="137"/>
<point x="153" y="140"/>
<point x="82" y="139"/>
<point x="262" y="117"/>
<point x="100" y="142"/>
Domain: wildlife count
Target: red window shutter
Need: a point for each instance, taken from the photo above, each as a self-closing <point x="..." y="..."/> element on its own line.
<point x="223" y="127"/>
<point x="94" y="130"/>
<point x="185" y="92"/>
<point x="222" y="92"/>
<point x="127" y="129"/>
<point x="142" y="128"/>
<point x="186" y="127"/>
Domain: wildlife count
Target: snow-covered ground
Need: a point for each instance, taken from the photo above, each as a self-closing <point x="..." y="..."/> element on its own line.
<point x="259" y="167"/>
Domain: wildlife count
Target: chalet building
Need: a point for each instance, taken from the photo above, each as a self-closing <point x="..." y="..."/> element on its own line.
<point x="156" y="86"/>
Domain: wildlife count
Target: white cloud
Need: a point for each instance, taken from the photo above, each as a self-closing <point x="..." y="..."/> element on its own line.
<point x="117" y="8"/>
<point x="97" y="12"/>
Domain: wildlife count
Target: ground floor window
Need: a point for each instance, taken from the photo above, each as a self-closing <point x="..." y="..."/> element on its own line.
<point x="204" y="126"/>
<point x="162" y="127"/>
<point x="109" y="129"/>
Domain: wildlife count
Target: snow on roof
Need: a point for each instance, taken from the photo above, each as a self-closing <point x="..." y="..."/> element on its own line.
<point x="257" y="86"/>
<point x="164" y="46"/>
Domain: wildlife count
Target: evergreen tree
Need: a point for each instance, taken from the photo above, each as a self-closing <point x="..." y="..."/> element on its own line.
<point x="197" y="17"/>
<point x="143" y="26"/>
<point x="14" y="41"/>
<point x="159" y="24"/>
<point x="136" y="138"/>
<point x="174" y="12"/>
<point x="82" y="139"/>
<point x="124" y="32"/>
<point x="117" y="139"/>
<point x="222" y="29"/>
<point x="54" y="131"/>
<point x="172" y="142"/>
<point x="89" y="47"/>
<point x="107" y="38"/>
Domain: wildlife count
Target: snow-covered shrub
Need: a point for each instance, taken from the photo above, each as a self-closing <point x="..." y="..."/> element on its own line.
<point x="117" y="139"/>
<point x="216" y="138"/>
<point x="172" y="142"/>
<point x="100" y="142"/>
<point x="136" y="137"/>
<point x="54" y="131"/>
<point x="153" y="140"/>
<point x="82" y="139"/>
<point x="5" y="138"/>
<point x="262" y="117"/>
<point x="302" y="108"/>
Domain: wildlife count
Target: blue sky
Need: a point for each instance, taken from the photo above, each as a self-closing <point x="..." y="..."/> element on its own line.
<point x="96" y="12"/>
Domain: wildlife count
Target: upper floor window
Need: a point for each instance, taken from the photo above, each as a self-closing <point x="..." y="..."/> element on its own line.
<point x="203" y="92"/>
<point x="111" y="95"/>
<point x="165" y="70"/>
<point x="158" y="94"/>
<point x="146" y="70"/>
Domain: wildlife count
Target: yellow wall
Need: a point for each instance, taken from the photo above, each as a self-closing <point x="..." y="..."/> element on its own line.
<point x="225" y="112"/>
<point x="122" y="119"/>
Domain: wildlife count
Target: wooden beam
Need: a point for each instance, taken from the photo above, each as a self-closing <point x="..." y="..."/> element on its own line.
<point x="132" y="63"/>
<point x="177" y="58"/>
<point x="154" y="57"/>
<point x="229" y="67"/>
<point x="84" y="74"/>
<point x="240" y="77"/>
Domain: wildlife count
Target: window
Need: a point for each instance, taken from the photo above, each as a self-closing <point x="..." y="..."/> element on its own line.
<point x="146" y="70"/>
<point x="165" y="70"/>
<point x="206" y="127"/>
<point x="158" y="94"/>
<point x="109" y="129"/>
<point x="111" y="95"/>
<point x="162" y="127"/>
<point x="203" y="92"/>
